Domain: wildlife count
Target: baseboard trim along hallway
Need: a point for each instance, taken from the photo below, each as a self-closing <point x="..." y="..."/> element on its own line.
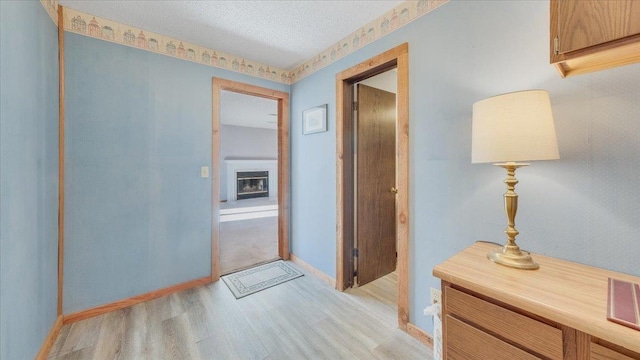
<point x="121" y="304"/>
<point x="48" y="342"/>
<point x="315" y="272"/>
<point x="420" y="334"/>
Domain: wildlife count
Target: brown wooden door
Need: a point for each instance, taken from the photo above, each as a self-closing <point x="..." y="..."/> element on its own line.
<point x="376" y="175"/>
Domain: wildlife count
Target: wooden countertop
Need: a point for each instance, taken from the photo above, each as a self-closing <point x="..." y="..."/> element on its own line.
<point x="568" y="293"/>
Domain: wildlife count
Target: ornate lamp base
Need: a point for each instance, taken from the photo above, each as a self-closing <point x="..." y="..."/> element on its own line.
<point x="519" y="260"/>
<point x="511" y="255"/>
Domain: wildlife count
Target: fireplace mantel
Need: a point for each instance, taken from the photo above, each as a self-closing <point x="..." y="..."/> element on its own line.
<point x="233" y="166"/>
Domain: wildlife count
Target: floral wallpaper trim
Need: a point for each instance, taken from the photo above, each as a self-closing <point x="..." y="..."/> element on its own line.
<point x="51" y="6"/>
<point x="392" y="20"/>
<point x="103" y="29"/>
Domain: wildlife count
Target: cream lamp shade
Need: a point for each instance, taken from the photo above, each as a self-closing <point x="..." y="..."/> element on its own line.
<point x="513" y="127"/>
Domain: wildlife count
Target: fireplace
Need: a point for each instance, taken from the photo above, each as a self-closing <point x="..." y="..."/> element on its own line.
<point x="234" y="166"/>
<point x="252" y="184"/>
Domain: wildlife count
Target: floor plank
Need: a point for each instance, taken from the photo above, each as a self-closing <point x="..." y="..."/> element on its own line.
<point x="177" y="341"/>
<point x="135" y="332"/>
<point x="301" y="319"/>
<point x="77" y="336"/>
<point x="111" y="336"/>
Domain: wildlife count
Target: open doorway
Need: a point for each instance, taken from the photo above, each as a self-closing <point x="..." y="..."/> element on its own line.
<point x="248" y="181"/>
<point x="374" y="189"/>
<point x="250" y="176"/>
<point x="392" y="183"/>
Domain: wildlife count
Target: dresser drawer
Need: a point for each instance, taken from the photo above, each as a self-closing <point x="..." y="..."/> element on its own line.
<point x="599" y="352"/>
<point x="465" y="342"/>
<point x="534" y="335"/>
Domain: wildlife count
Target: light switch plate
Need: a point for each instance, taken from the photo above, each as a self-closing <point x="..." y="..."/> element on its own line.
<point x="204" y="172"/>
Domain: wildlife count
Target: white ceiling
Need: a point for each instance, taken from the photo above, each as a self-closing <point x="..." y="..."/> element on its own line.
<point x="280" y="33"/>
<point x="249" y="111"/>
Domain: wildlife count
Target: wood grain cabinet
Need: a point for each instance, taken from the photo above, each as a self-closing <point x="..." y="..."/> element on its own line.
<point x="557" y="312"/>
<point x="591" y="35"/>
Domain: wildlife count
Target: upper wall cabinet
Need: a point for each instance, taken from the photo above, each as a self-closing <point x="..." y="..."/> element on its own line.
<point x="591" y="35"/>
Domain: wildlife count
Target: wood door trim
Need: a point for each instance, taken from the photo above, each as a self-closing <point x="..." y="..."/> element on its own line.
<point x="397" y="57"/>
<point x="60" y="158"/>
<point x="282" y="98"/>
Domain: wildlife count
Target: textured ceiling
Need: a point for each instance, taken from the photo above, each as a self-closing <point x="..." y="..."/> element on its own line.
<point x="249" y="111"/>
<point x="277" y="33"/>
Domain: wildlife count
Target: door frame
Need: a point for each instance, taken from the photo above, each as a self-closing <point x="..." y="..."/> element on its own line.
<point x="397" y="57"/>
<point x="282" y="98"/>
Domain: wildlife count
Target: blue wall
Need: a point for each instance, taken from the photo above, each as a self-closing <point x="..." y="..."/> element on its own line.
<point x="583" y="207"/>
<point x="28" y="177"/>
<point x="138" y="129"/>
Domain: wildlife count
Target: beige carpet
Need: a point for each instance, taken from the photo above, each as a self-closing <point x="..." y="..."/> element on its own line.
<point x="245" y="243"/>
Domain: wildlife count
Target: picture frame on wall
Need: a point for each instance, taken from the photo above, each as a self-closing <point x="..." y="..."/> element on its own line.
<point x="314" y="120"/>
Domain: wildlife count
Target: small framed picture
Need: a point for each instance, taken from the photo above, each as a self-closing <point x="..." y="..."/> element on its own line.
<point x="314" y="120"/>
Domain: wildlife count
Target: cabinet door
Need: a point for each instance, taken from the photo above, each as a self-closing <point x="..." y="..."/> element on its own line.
<point x="584" y="23"/>
<point x="599" y="352"/>
<point x="511" y="326"/>
<point x="465" y="342"/>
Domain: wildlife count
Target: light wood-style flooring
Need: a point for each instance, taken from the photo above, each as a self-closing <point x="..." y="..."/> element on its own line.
<point x="245" y="243"/>
<point x="301" y="319"/>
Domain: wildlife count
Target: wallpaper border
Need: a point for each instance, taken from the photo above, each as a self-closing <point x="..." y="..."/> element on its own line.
<point x="51" y="6"/>
<point x="390" y="21"/>
<point x="112" y="31"/>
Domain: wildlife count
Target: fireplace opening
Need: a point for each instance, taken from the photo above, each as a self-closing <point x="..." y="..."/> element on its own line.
<point x="252" y="184"/>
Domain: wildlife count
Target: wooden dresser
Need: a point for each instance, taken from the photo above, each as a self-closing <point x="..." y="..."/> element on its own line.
<point x="491" y="311"/>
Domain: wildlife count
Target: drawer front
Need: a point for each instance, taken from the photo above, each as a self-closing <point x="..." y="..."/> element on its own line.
<point x="599" y="352"/>
<point x="465" y="342"/>
<point x="531" y="334"/>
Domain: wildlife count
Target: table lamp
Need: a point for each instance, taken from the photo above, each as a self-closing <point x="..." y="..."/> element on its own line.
<point x="506" y="130"/>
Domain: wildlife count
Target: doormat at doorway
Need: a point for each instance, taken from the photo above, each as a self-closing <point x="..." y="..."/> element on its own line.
<point x="250" y="281"/>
